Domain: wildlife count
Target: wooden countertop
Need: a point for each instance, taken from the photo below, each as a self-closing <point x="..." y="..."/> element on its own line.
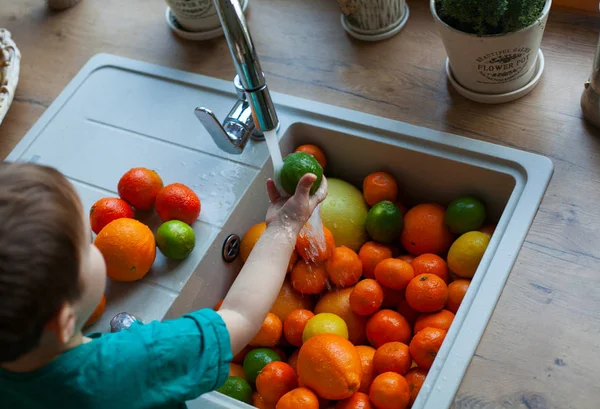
<point x="542" y="346"/>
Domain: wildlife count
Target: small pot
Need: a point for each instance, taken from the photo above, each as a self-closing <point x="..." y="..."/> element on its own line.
<point x="372" y="17"/>
<point x="494" y="64"/>
<point x="195" y="15"/>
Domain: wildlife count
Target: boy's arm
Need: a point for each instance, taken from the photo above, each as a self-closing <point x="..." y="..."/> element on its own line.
<point x="256" y="288"/>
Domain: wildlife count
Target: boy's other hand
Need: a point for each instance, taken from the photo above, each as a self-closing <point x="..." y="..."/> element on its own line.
<point x="296" y="210"/>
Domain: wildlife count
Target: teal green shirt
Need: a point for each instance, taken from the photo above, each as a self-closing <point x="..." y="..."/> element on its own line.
<point x="156" y="366"/>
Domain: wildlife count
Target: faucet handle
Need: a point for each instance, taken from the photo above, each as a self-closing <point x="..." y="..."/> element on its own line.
<point x="228" y="142"/>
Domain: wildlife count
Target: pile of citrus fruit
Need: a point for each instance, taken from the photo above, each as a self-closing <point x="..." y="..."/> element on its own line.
<point x="128" y="245"/>
<point x="359" y="324"/>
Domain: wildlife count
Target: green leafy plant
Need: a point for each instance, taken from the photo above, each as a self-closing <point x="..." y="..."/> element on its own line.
<point x="488" y="17"/>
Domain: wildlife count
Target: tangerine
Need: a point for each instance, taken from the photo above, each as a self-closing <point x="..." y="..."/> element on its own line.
<point x="288" y="300"/>
<point x="427" y="293"/>
<point x="237" y="370"/>
<point x="344" y="267"/>
<point x="108" y="209"/>
<point x="431" y="264"/>
<point x="308" y="278"/>
<point x="177" y="202"/>
<point x="270" y="332"/>
<point x="294" y="324"/>
<point x="425" y="230"/>
<point x="388" y="326"/>
<point x="372" y="253"/>
<point x="394" y="274"/>
<point x="259" y="402"/>
<point x="139" y="187"/>
<point x="415" y="379"/>
<point x="311" y="251"/>
<point x="300" y="398"/>
<point x="315" y="151"/>
<point x="218" y="305"/>
<point x="293" y="360"/>
<point x="379" y="186"/>
<point x="293" y="261"/>
<point x="441" y="320"/>
<point x="366" y="354"/>
<point x="275" y="380"/>
<point x="456" y="292"/>
<point x="366" y="297"/>
<point x="392" y="357"/>
<point x="338" y="303"/>
<point x="357" y="401"/>
<point x="329" y="365"/>
<point x="98" y="311"/>
<point x="128" y="248"/>
<point x="250" y="239"/>
<point x="389" y="391"/>
<point x="425" y="346"/>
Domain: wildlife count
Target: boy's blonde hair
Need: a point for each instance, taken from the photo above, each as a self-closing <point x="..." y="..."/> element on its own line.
<point x="41" y="238"/>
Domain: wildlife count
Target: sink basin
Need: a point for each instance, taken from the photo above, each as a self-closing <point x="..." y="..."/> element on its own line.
<point x="119" y="113"/>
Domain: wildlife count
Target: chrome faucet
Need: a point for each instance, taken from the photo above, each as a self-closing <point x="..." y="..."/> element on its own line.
<point x="254" y="112"/>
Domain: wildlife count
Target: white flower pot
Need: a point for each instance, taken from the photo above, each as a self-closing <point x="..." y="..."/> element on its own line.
<point x="195" y="15"/>
<point x="494" y="64"/>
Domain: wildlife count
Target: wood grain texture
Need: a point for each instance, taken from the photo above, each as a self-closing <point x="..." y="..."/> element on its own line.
<point x="541" y="349"/>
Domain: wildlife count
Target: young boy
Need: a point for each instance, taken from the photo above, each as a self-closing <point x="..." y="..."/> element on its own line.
<point x="52" y="278"/>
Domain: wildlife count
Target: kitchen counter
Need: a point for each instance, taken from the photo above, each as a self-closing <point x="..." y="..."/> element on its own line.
<point x="542" y="346"/>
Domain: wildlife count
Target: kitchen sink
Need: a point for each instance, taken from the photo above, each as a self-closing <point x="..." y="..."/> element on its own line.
<point x="119" y="113"/>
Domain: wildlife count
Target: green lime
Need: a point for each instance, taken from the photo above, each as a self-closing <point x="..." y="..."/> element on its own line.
<point x="465" y="214"/>
<point x="256" y="360"/>
<point x="175" y="239"/>
<point x="296" y="165"/>
<point x="237" y="388"/>
<point x="384" y="222"/>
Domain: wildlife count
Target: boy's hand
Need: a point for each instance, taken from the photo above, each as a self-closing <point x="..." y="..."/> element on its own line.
<point x="296" y="210"/>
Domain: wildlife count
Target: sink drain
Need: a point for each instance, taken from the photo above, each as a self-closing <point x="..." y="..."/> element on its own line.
<point x="231" y="247"/>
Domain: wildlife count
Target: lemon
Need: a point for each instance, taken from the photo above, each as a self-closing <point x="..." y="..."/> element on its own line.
<point x="325" y="323"/>
<point x="466" y="253"/>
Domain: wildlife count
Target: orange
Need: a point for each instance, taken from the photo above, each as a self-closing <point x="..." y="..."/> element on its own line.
<point x="300" y="398"/>
<point x="98" y="311"/>
<point x="139" y="187"/>
<point x="270" y="332"/>
<point x="389" y="391"/>
<point x="427" y="293"/>
<point x="488" y="229"/>
<point x="259" y="402"/>
<point x="293" y="261"/>
<point x="441" y="320"/>
<point x="357" y="401"/>
<point x="108" y="209"/>
<point x="406" y="257"/>
<point x="394" y="274"/>
<point x="366" y="354"/>
<point x="425" y="346"/>
<point x="431" y="264"/>
<point x="371" y="254"/>
<point x="275" y="380"/>
<point x="415" y="379"/>
<point x="391" y="298"/>
<point x="293" y="360"/>
<point x="308" y="278"/>
<point x="316" y="152"/>
<point x="425" y="231"/>
<point x="392" y="357"/>
<point x="177" y="202"/>
<point x="408" y="312"/>
<point x="344" y="267"/>
<point x="218" y="305"/>
<point x="338" y="302"/>
<point x="294" y="324"/>
<point x="329" y="365"/>
<point x="388" y="326"/>
<point x="290" y="300"/>
<point x="379" y="186"/>
<point x="366" y="297"/>
<point x="456" y="292"/>
<point x="128" y="248"/>
<point x="239" y="357"/>
<point x="237" y="370"/>
<point x="309" y="250"/>
<point x="250" y="238"/>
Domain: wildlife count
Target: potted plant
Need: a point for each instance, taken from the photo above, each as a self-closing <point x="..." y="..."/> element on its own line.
<point x="373" y="20"/>
<point x="493" y="46"/>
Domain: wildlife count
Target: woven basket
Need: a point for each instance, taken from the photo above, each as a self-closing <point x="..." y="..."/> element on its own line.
<point x="372" y="16"/>
<point x="10" y="63"/>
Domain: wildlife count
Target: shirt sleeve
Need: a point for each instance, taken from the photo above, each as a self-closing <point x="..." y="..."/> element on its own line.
<point x="188" y="356"/>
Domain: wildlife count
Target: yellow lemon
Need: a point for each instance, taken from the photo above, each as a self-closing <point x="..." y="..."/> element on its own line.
<point x="466" y="253"/>
<point x="325" y="323"/>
